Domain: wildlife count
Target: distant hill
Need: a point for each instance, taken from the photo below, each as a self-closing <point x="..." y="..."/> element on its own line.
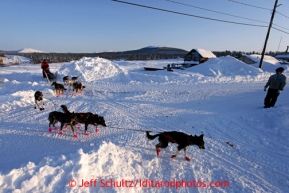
<point x="154" y="50"/>
<point x="24" y="50"/>
<point x="146" y="53"/>
<point x="29" y="50"/>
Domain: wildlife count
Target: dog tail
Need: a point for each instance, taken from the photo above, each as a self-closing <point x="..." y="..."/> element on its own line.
<point x="151" y="137"/>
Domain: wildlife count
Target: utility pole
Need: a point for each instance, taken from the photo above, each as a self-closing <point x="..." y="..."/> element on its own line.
<point x="268" y="33"/>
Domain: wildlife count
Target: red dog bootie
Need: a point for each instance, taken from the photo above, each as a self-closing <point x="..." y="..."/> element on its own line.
<point x="60" y="132"/>
<point x="55" y="128"/>
<point x="50" y="130"/>
<point x="158" y="152"/>
<point x="78" y="127"/>
<point x="188" y="159"/>
<point x="75" y="135"/>
<point x="173" y="156"/>
<point x="87" y="134"/>
<point x="96" y="129"/>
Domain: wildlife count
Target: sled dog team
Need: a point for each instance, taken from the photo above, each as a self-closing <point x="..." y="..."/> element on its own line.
<point x="182" y="139"/>
<point x="73" y="82"/>
<point x="67" y="118"/>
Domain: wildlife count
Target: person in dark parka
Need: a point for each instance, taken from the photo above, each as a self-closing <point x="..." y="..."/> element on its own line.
<point x="276" y="84"/>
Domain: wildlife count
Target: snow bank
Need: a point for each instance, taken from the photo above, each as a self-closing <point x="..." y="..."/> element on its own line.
<point x="3" y="80"/>
<point x="68" y="173"/>
<point x="17" y="59"/>
<point x="268" y="59"/>
<point x="269" y="67"/>
<point x="91" y="69"/>
<point x="225" y="66"/>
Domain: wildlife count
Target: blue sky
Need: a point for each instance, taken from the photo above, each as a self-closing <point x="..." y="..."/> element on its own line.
<point x="80" y="26"/>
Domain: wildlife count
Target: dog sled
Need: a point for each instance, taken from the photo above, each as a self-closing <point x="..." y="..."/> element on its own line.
<point x="49" y="74"/>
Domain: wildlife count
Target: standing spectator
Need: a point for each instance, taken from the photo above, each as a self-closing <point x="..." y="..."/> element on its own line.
<point x="44" y="67"/>
<point x="276" y="84"/>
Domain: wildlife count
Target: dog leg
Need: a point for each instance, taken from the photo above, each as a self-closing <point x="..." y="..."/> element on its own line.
<point x="177" y="153"/>
<point x="37" y="105"/>
<point x="74" y="134"/>
<point x="187" y="158"/>
<point x="96" y="128"/>
<point x="42" y="105"/>
<point x="163" y="143"/>
<point x="85" y="129"/>
<point x="54" y="122"/>
<point x="49" y="126"/>
<point x="61" y="127"/>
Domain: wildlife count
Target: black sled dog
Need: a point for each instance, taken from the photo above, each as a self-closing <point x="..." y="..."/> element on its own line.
<point x="183" y="140"/>
<point x="38" y="97"/>
<point x="86" y="119"/>
<point x="64" y="118"/>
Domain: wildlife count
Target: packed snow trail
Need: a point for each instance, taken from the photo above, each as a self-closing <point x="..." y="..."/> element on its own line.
<point x="246" y="145"/>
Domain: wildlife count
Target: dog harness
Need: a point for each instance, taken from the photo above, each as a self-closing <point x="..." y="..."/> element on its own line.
<point x="172" y="140"/>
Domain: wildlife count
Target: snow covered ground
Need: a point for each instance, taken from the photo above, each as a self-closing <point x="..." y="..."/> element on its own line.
<point x="13" y="59"/>
<point x="247" y="146"/>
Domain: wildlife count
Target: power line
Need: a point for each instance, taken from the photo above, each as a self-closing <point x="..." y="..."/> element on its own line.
<point x="186" y="14"/>
<point x="280" y="30"/>
<point x="179" y="13"/>
<point x="282" y="14"/>
<point x="250" y="5"/>
<point x="216" y="11"/>
<point x="223" y="13"/>
<point x="256" y="7"/>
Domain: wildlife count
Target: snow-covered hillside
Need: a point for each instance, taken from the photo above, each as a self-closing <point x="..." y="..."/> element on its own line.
<point x="246" y="146"/>
<point x="28" y="50"/>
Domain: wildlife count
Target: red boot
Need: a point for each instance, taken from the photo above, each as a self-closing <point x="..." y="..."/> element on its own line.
<point x="158" y="152"/>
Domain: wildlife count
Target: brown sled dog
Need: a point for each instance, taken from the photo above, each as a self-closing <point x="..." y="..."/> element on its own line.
<point x="59" y="88"/>
<point x="183" y="140"/>
<point x="77" y="87"/>
<point x="38" y="97"/>
<point x="68" y="81"/>
<point x="86" y="119"/>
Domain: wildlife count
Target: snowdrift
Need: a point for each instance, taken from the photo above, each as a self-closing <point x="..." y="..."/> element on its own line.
<point x="226" y="66"/>
<point x="61" y="174"/>
<point x="92" y="69"/>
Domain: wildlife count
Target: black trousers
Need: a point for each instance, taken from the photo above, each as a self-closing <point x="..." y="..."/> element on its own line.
<point x="43" y="74"/>
<point x="271" y="97"/>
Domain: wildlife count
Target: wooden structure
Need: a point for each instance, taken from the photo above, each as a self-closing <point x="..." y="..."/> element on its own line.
<point x="199" y="55"/>
<point x="284" y="56"/>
